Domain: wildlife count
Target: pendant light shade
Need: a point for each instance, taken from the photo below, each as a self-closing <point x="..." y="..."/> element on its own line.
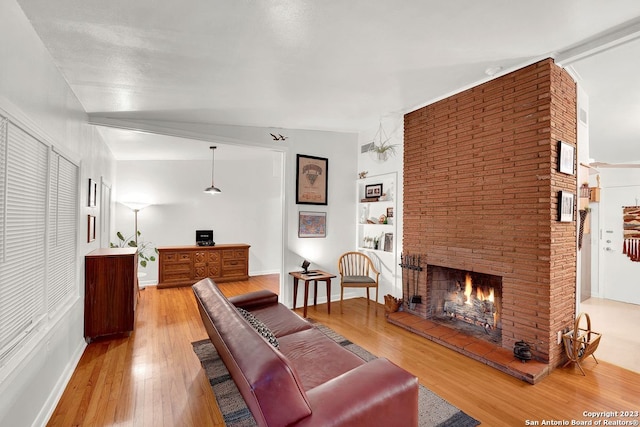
<point x="213" y="189"/>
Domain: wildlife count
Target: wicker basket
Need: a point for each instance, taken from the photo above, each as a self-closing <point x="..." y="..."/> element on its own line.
<point x="581" y="343"/>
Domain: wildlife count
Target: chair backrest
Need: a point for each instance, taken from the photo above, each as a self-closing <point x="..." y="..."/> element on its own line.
<point x="355" y="264"/>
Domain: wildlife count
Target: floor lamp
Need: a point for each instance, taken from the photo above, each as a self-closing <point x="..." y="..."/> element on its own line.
<point x="136" y="207"/>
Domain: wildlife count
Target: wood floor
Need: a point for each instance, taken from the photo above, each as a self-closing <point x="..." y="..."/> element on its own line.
<point x="153" y="378"/>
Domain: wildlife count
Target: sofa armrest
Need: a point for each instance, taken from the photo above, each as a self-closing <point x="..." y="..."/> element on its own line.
<point x="376" y="393"/>
<point x="255" y="299"/>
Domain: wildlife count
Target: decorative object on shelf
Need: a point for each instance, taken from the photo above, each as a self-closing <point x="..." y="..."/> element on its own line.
<point x="362" y="175"/>
<point x="364" y="214"/>
<point x="391" y="304"/>
<point x="566" y="161"/>
<point x="381" y="149"/>
<point x="93" y="191"/>
<point x="390" y="212"/>
<point x="311" y="180"/>
<point x="91" y="228"/>
<point x="213" y="189"/>
<point x="566" y="201"/>
<point x="312" y="224"/>
<point x="581" y="343"/>
<point x="373" y="191"/>
<point x="631" y="232"/>
<point x="585" y="191"/>
<point x="382" y="219"/>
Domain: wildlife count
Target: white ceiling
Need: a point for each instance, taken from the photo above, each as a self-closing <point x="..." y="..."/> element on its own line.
<point x="329" y="64"/>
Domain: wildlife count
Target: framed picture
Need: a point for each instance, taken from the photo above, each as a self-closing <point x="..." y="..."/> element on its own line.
<point x="311" y="180"/>
<point x="91" y="228"/>
<point x="93" y="190"/>
<point x="388" y="242"/>
<point x="390" y="212"/>
<point x="566" y="201"/>
<point x="312" y="224"/>
<point x="566" y="154"/>
<point x="373" y="190"/>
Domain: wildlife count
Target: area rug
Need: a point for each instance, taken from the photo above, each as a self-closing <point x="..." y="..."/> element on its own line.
<point x="433" y="410"/>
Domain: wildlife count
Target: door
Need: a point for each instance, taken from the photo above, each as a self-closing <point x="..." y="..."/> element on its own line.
<point x="619" y="276"/>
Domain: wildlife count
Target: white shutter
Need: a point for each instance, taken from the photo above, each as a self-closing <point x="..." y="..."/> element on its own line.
<point x="63" y="202"/>
<point x="22" y="264"/>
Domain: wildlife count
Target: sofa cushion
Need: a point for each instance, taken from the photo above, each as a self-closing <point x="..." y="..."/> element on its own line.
<point x="260" y="327"/>
<point x="317" y="358"/>
<point x="281" y="320"/>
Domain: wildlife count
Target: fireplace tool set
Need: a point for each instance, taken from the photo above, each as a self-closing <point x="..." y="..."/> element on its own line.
<point x="411" y="270"/>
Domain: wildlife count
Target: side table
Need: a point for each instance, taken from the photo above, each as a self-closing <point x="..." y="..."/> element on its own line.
<point x="315" y="277"/>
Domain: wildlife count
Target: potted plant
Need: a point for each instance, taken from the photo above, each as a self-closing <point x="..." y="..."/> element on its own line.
<point x="383" y="150"/>
<point x="143" y="247"/>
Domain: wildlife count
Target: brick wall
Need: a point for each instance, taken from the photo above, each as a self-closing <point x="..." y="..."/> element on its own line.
<point x="480" y="194"/>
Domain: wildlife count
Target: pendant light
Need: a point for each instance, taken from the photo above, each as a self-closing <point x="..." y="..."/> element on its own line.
<point x="213" y="189"/>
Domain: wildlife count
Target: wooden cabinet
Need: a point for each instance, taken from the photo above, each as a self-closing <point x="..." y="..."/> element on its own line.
<point x="110" y="291"/>
<point x="185" y="265"/>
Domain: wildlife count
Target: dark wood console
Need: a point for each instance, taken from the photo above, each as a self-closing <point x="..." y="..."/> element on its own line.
<point x="110" y="292"/>
<point x="185" y="265"/>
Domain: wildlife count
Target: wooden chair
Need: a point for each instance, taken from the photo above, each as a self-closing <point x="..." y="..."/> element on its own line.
<point x="357" y="271"/>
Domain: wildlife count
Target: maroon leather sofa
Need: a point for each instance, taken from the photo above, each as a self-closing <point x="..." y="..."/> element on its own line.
<point x="309" y="380"/>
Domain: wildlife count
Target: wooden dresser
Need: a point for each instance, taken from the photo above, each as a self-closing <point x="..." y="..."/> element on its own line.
<point x="110" y="291"/>
<point x="185" y="265"/>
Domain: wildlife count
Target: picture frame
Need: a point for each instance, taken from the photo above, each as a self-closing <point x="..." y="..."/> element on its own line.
<point x="566" y="206"/>
<point x="373" y="191"/>
<point x="312" y="224"/>
<point x="93" y="191"/>
<point x="388" y="242"/>
<point x="390" y="212"/>
<point x="311" y="180"/>
<point x="91" y="228"/>
<point x="566" y="155"/>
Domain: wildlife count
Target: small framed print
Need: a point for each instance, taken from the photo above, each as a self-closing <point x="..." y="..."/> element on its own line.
<point x="311" y="180"/>
<point x="390" y="212"/>
<point x="566" y="202"/>
<point x="373" y="190"/>
<point x="312" y="224"/>
<point x="93" y="190"/>
<point x="91" y="228"/>
<point x="566" y="155"/>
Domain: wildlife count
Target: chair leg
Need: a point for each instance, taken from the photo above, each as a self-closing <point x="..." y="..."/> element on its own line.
<point x="376" y="294"/>
<point x="341" y="293"/>
<point x="367" y="296"/>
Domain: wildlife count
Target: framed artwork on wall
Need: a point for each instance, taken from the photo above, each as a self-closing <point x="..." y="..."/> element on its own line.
<point x="93" y="191"/>
<point x="311" y="180"/>
<point x="312" y="224"/>
<point x="91" y="228"/>
<point x="566" y="154"/>
<point x="566" y="201"/>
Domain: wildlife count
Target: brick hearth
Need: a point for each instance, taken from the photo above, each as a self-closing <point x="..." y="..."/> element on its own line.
<point x="480" y="194"/>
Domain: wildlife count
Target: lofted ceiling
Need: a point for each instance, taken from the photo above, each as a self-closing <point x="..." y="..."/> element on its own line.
<point x="329" y="64"/>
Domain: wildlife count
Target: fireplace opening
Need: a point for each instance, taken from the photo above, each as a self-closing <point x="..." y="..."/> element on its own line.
<point x="470" y="302"/>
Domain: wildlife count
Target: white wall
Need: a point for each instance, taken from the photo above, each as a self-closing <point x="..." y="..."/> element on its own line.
<point x="249" y="209"/>
<point x="33" y="91"/>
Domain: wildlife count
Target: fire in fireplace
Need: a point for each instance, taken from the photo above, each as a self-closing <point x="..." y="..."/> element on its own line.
<point x="468" y="301"/>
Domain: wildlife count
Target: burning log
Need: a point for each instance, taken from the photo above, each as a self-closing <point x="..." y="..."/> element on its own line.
<point x="479" y="313"/>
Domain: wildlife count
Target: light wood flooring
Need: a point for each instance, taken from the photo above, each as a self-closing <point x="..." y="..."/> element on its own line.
<point x="153" y="378"/>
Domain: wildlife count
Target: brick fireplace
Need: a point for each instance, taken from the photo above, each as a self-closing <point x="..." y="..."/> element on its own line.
<point x="480" y="195"/>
